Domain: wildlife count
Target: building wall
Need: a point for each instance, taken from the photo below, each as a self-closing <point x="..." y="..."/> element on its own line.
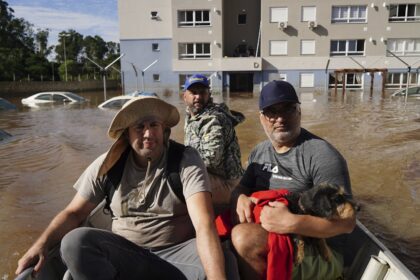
<point x="140" y="54"/>
<point x="138" y="31"/>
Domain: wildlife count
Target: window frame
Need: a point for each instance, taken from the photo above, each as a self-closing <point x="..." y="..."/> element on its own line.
<point x="194" y="22"/>
<point x="190" y="55"/>
<point x="347" y="44"/>
<point x="307" y="40"/>
<point x="246" y="18"/>
<point x="279" y="54"/>
<point x="279" y="8"/>
<point x="406" y="17"/>
<point x="157" y="49"/>
<point x="347" y="18"/>
<point x="393" y="43"/>
<point x="304" y="17"/>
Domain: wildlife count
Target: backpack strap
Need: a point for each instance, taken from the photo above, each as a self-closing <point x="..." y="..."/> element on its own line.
<point x="173" y="168"/>
<point x="113" y="179"/>
<point x="172" y="173"/>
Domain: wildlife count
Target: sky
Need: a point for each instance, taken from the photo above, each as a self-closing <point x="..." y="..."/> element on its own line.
<point x="88" y="17"/>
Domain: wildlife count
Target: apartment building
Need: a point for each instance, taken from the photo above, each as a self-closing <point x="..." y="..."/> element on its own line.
<point x="243" y="44"/>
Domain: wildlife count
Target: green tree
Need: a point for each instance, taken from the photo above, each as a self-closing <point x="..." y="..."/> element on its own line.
<point x="16" y="43"/>
<point x="95" y="47"/>
<point x="74" y="45"/>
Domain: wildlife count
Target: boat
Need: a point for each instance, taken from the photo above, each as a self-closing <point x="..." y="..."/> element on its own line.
<point x="365" y="258"/>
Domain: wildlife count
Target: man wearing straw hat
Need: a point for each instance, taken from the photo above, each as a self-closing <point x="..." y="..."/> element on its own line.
<point x="155" y="234"/>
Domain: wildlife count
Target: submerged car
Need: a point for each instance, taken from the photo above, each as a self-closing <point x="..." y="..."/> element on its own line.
<point x="412" y="92"/>
<point x="6" y="105"/>
<point x="53" y="97"/>
<point x="141" y="93"/>
<point x="118" y="101"/>
<point x="115" y="102"/>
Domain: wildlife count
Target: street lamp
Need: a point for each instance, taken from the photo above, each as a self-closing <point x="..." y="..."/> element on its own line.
<point x="63" y="36"/>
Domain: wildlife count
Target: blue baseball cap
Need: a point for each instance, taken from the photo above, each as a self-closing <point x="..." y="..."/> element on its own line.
<point x="196" y="79"/>
<point x="275" y="92"/>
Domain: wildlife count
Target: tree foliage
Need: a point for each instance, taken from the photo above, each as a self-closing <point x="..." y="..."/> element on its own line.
<point x="25" y="52"/>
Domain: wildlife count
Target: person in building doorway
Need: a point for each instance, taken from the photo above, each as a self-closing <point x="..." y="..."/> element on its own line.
<point x="210" y="129"/>
<point x="161" y="229"/>
<point x="296" y="160"/>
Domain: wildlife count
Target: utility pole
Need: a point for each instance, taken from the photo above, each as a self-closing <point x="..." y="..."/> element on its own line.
<point x="63" y="36"/>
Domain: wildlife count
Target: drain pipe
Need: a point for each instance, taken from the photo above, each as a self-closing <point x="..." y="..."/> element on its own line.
<point x="326" y="76"/>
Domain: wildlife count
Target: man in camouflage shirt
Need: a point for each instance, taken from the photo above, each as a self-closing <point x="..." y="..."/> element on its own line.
<point x="209" y="128"/>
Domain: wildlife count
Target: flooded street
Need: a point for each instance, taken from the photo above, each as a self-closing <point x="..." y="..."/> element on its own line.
<point x="52" y="145"/>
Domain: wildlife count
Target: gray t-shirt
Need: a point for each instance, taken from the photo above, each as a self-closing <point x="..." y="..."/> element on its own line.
<point x="311" y="161"/>
<point x="150" y="215"/>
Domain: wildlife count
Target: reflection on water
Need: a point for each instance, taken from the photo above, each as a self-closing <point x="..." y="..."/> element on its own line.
<point x="52" y="145"/>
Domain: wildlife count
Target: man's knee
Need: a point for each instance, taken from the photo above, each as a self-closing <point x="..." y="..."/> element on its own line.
<point x="249" y="239"/>
<point x="74" y="241"/>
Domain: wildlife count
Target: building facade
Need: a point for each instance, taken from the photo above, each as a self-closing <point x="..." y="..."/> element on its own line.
<point x="243" y="44"/>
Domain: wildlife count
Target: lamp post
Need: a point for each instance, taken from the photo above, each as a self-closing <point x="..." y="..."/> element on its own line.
<point x="144" y="70"/>
<point x="63" y="36"/>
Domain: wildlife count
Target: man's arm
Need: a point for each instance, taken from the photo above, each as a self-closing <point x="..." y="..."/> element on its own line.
<point x="277" y="218"/>
<point x="69" y="218"/>
<point x="212" y="144"/>
<point x="208" y="244"/>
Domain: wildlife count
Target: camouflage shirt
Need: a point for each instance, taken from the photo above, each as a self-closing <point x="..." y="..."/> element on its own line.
<point x="212" y="133"/>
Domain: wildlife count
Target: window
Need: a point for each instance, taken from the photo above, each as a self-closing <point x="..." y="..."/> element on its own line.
<point x="156" y="77"/>
<point x="347" y="47"/>
<point x="278" y="47"/>
<point x="399" y="80"/>
<point x="44" y="97"/>
<point x="306" y="80"/>
<point x="194" y="18"/>
<point x="405" y="47"/>
<point x="307" y="46"/>
<point x="155" y="47"/>
<point x="242" y="19"/>
<point x="349" y="14"/>
<point x="194" y="50"/>
<point x="154" y="15"/>
<point x="278" y="14"/>
<point x="404" y="12"/>
<point x="352" y="80"/>
<point x="308" y="13"/>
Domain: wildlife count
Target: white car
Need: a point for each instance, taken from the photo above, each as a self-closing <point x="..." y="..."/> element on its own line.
<point x="115" y="102"/>
<point x="53" y="97"/>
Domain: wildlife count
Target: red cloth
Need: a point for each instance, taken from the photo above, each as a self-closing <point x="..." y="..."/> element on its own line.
<point x="280" y="246"/>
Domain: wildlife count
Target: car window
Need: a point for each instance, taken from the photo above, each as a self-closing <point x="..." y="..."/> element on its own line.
<point x="58" y="97"/>
<point x="44" y="97"/>
<point x="74" y="96"/>
<point x="115" y="104"/>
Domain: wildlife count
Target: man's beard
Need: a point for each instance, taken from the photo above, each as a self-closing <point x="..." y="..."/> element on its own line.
<point x="283" y="137"/>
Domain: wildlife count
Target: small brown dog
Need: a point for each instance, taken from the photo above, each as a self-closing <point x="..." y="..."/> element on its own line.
<point x="327" y="201"/>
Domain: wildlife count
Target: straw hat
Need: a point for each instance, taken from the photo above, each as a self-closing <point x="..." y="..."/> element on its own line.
<point x="139" y="108"/>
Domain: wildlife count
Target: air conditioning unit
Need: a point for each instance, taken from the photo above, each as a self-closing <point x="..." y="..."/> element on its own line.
<point x="312" y="24"/>
<point x="282" y="25"/>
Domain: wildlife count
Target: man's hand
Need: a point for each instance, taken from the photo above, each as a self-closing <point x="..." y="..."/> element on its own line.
<point x="277" y="218"/>
<point x="244" y="208"/>
<point x="36" y="255"/>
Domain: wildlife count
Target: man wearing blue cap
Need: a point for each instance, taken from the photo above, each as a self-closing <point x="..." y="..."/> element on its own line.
<point x="294" y="159"/>
<point x="210" y="129"/>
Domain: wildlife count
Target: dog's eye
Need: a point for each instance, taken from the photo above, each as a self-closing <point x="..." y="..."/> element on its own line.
<point x="339" y="199"/>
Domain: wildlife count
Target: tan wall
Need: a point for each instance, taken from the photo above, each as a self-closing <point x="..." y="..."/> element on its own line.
<point x="206" y="34"/>
<point x="135" y="21"/>
<point x="377" y="26"/>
